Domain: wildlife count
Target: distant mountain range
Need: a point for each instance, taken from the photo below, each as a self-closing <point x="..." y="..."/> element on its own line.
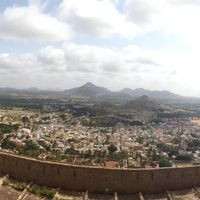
<point x="89" y="90"/>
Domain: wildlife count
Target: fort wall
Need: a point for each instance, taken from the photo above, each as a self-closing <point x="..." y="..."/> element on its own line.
<point x="98" y="180"/>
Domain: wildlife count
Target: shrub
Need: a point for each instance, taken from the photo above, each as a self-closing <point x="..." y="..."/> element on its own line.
<point x="42" y="191"/>
<point x="19" y="186"/>
<point x="47" y="192"/>
<point x="34" y="189"/>
<point x="164" y="162"/>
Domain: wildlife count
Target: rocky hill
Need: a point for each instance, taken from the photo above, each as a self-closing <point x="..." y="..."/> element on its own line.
<point x="88" y="90"/>
<point x="144" y="103"/>
<point x="163" y="94"/>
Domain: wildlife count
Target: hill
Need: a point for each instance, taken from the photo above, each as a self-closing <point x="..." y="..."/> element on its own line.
<point x="96" y="93"/>
<point x="144" y="103"/>
<point x="163" y="94"/>
<point x="88" y="90"/>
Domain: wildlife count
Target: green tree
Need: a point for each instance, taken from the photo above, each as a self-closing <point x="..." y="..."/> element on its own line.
<point x="185" y="157"/>
<point x="8" y="128"/>
<point x="164" y="162"/>
<point x="7" y="144"/>
<point x="112" y="148"/>
<point x="25" y="119"/>
<point x="31" y="146"/>
<point x="71" y="151"/>
<point x="140" y="140"/>
<point x="123" y="154"/>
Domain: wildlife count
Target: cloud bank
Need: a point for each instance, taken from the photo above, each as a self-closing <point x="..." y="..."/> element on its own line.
<point x="62" y="61"/>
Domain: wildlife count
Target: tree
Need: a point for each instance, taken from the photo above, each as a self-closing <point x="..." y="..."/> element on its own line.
<point x="164" y="162"/>
<point x="185" y="157"/>
<point x="194" y="144"/>
<point x="7" y="144"/>
<point x="112" y="148"/>
<point x="123" y="154"/>
<point x="168" y="149"/>
<point x="25" y="119"/>
<point x="8" y="128"/>
<point x="140" y="140"/>
<point x="31" y="146"/>
<point x="71" y="151"/>
<point x="63" y="116"/>
<point x="88" y="154"/>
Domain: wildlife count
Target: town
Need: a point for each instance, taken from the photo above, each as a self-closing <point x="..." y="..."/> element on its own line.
<point x="58" y="132"/>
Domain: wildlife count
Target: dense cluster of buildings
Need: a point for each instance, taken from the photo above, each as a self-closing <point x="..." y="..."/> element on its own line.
<point x="61" y="134"/>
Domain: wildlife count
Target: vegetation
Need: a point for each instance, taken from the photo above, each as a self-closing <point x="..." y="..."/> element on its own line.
<point x="172" y="151"/>
<point x="164" y="162"/>
<point x="7" y="128"/>
<point x="194" y="144"/>
<point x="140" y="140"/>
<point x="185" y="157"/>
<point x="71" y="151"/>
<point x="19" y="186"/>
<point x="31" y="146"/>
<point x="42" y="191"/>
<point x="111" y="149"/>
<point x="7" y="144"/>
<point x="25" y="119"/>
<point x="119" y="156"/>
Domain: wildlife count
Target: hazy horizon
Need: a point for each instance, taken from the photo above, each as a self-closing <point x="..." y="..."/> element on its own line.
<point x="61" y="89"/>
<point x="61" y="44"/>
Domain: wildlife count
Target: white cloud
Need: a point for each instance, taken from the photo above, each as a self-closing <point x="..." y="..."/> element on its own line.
<point x="73" y="64"/>
<point x="185" y="2"/>
<point x="101" y="19"/>
<point x="144" y="12"/>
<point x="183" y="21"/>
<point x="94" y="17"/>
<point x="30" y="24"/>
<point x="175" y="17"/>
<point x="80" y="63"/>
<point x="52" y="56"/>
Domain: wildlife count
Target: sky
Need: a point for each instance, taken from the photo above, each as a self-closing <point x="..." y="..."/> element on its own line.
<point x="60" y="44"/>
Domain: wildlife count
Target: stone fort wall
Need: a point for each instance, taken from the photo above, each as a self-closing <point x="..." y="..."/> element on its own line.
<point x="98" y="180"/>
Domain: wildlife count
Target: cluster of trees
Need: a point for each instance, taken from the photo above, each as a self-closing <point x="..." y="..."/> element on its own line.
<point x="164" y="162"/>
<point x="172" y="151"/>
<point x="32" y="103"/>
<point x="194" y="144"/>
<point x="8" y="128"/>
<point x="103" y="155"/>
<point x="140" y="140"/>
<point x="185" y="157"/>
<point x="113" y="154"/>
<point x="30" y="148"/>
<point x="8" y="144"/>
<point x="173" y="115"/>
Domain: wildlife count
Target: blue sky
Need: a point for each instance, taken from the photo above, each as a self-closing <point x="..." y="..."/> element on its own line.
<point x="113" y="43"/>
